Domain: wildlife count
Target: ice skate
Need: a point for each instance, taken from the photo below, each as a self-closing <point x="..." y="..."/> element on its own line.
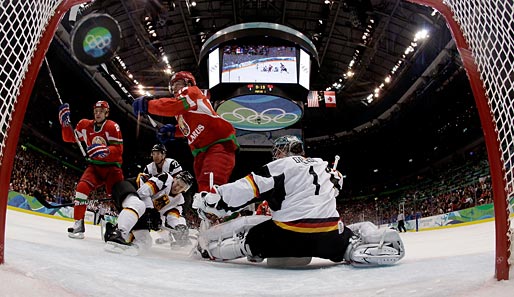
<point x="115" y="243"/>
<point x="77" y="231"/>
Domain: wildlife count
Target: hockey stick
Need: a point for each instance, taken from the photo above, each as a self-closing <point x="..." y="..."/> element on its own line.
<point x="41" y="199"/>
<point x="335" y="162"/>
<point x="60" y="100"/>
<point x="138" y="120"/>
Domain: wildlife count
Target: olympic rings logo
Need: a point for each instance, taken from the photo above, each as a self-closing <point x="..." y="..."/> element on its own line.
<point x="98" y="41"/>
<point x="247" y="115"/>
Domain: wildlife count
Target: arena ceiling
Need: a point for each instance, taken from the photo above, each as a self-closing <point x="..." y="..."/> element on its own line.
<point x="364" y="47"/>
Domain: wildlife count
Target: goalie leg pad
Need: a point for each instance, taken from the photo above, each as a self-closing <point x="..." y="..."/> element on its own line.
<point x="229" y="249"/>
<point x="366" y="255"/>
<point x="372" y="246"/>
<point x="369" y="233"/>
<point x="232" y="227"/>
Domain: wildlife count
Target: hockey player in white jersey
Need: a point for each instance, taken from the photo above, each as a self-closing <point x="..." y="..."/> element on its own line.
<point x="160" y="163"/>
<point x="141" y="211"/>
<point x="304" y="221"/>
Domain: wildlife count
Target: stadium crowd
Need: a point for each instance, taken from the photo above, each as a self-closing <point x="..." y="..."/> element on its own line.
<point x="453" y="186"/>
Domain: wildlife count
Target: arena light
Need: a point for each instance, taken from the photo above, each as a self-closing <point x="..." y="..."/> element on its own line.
<point x="421" y="35"/>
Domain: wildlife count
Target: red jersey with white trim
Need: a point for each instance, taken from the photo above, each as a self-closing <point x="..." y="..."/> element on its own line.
<point x="196" y="118"/>
<point x="109" y="134"/>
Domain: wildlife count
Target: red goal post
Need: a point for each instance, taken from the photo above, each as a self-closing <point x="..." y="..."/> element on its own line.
<point x="28" y="27"/>
<point x="483" y="32"/>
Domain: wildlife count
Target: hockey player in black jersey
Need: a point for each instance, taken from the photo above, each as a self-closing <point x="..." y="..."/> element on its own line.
<point x="304" y="222"/>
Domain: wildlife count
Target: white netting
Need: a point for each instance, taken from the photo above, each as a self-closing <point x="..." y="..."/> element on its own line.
<point x="22" y="23"/>
<point x="488" y="27"/>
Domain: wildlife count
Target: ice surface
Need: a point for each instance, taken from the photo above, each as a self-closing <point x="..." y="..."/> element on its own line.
<point x="40" y="260"/>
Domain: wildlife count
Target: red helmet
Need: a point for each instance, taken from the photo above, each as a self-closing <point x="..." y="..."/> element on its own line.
<point x="101" y="104"/>
<point x="185" y="75"/>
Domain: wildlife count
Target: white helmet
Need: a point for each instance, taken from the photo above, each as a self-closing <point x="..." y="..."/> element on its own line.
<point x="288" y="145"/>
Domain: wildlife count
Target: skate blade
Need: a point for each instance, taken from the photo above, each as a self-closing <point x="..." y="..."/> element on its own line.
<point x="116" y="248"/>
<point x="76" y="235"/>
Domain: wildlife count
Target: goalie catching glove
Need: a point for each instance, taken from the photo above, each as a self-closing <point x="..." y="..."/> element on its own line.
<point x="96" y="151"/>
<point x="209" y="203"/>
<point x="64" y="115"/>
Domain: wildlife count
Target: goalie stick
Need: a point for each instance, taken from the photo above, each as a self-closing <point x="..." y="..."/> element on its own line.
<point x="39" y="197"/>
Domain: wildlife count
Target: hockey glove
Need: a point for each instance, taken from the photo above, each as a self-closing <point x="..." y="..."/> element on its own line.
<point x="208" y="202"/>
<point x="166" y="133"/>
<point x="96" y="151"/>
<point x="64" y="115"/>
<point x="140" y="105"/>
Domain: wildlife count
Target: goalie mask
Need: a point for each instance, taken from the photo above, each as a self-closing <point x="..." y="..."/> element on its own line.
<point x="288" y="145"/>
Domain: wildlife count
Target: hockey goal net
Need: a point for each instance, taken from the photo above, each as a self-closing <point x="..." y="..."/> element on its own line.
<point x="483" y="32"/>
<point x="27" y="28"/>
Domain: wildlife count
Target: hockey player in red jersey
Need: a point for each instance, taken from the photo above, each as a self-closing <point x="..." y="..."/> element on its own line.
<point x="104" y="151"/>
<point x="304" y="221"/>
<point x="212" y="139"/>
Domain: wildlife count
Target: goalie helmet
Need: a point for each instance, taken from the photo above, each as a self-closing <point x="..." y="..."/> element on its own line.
<point x="184" y="75"/>
<point x="288" y="145"/>
<point x="159" y="148"/>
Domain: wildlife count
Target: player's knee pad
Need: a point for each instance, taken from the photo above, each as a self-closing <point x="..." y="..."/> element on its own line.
<point x="120" y="191"/>
<point x="133" y="202"/>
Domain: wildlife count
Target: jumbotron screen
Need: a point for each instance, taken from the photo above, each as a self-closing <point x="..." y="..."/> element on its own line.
<point x="259" y="64"/>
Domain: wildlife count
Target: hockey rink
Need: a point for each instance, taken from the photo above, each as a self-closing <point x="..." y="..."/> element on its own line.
<point x="40" y="260"/>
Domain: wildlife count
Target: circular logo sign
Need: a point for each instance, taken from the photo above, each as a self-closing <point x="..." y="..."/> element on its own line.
<point x="95" y="39"/>
<point x="97" y="42"/>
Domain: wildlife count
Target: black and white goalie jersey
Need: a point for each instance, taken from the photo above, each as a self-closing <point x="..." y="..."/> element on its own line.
<point x="300" y="192"/>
